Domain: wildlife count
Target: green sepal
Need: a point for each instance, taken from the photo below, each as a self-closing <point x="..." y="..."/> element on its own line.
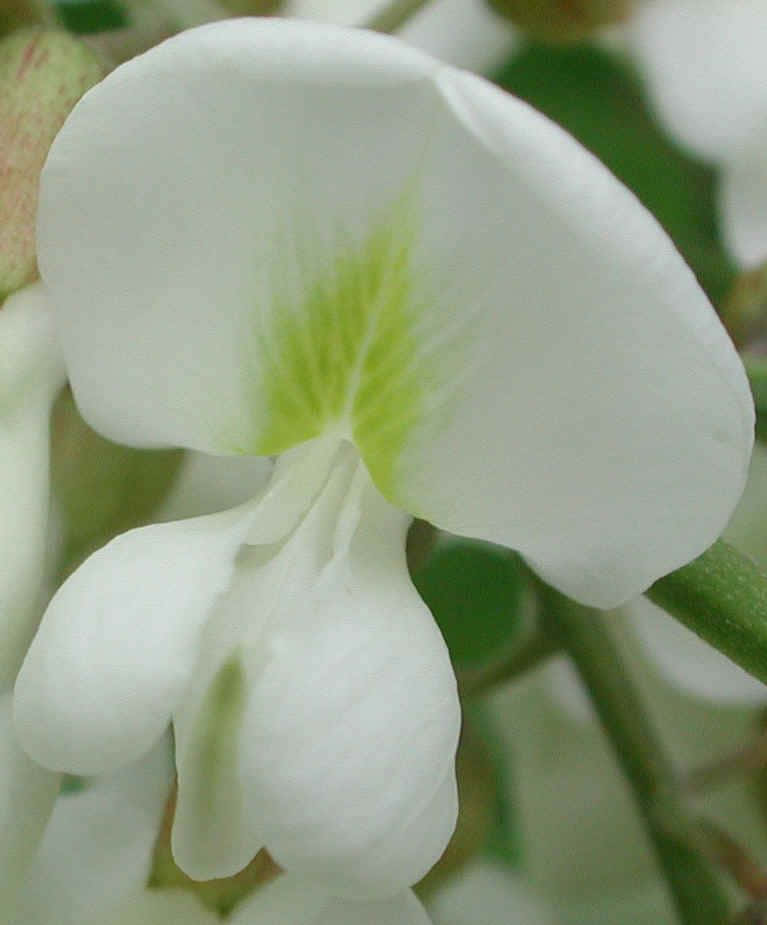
<point x="88" y="18"/>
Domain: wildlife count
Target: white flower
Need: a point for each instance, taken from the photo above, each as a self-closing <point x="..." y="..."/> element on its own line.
<point x="706" y="69"/>
<point x="95" y="860"/>
<point x="466" y="33"/>
<point x="31" y="373"/>
<point x="267" y="237"/>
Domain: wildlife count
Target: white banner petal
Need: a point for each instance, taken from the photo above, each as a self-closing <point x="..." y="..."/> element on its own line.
<point x="191" y="166"/>
<point x="599" y="419"/>
<point x="119" y="640"/>
<point x="510" y="339"/>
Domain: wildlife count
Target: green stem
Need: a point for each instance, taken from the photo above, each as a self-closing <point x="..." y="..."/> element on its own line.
<point x="584" y="633"/>
<point x="395" y="15"/>
<point x="722" y="597"/>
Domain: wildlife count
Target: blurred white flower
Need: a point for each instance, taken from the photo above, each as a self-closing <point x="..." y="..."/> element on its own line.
<point x="706" y="69"/>
<point x="583" y="845"/>
<point x="486" y="893"/>
<point x="465" y="33"/>
<point x="31" y="373"/>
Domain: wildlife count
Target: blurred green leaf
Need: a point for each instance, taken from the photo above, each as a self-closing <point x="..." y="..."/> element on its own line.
<point x="475" y="592"/>
<point x="598" y="99"/>
<point x="89" y="16"/>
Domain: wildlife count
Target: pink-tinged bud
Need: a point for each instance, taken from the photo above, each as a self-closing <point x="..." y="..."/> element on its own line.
<point x="42" y="75"/>
<point x="17" y="13"/>
<point x="562" y="20"/>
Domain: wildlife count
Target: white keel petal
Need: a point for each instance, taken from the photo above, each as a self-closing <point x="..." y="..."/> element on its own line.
<point x="119" y="640"/>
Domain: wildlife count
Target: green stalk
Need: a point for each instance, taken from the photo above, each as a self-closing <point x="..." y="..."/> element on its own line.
<point x="584" y="634"/>
<point x="722" y="597"/>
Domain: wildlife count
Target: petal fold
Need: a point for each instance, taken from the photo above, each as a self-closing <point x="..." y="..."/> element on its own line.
<point x="119" y="640"/>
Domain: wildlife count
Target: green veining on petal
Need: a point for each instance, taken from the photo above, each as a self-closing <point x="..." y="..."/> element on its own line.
<point x="347" y="356"/>
<point x="217" y="731"/>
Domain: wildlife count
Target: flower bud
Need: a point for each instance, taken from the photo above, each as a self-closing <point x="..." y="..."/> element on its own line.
<point x="17" y="13"/>
<point x="42" y="75"/>
<point x="562" y="20"/>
